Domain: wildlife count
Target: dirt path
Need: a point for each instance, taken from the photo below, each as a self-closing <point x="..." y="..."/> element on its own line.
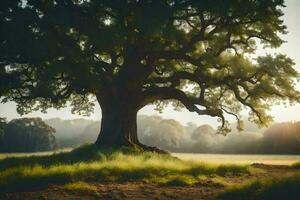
<point x="206" y="189"/>
<point x="126" y="191"/>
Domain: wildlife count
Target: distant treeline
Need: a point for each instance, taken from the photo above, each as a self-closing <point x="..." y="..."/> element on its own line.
<point x="33" y="134"/>
<point x="171" y="135"/>
<point x="280" y="138"/>
<point x="26" y="135"/>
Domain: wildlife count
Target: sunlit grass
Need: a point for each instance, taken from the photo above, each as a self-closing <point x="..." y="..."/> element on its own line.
<point x="296" y="165"/>
<point x="175" y="180"/>
<point x="82" y="188"/>
<point x="111" y="166"/>
<point x="267" y="189"/>
<point x="246" y="159"/>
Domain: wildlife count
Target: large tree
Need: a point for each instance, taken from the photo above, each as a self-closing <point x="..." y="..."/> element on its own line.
<point x="199" y="54"/>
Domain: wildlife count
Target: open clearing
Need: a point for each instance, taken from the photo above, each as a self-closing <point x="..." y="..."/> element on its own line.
<point x="132" y="176"/>
<point x="240" y="159"/>
<point x="268" y="159"/>
<point x="207" y="189"/>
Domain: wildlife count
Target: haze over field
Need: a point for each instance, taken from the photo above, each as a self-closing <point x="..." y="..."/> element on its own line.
<point x="171" y="135"/>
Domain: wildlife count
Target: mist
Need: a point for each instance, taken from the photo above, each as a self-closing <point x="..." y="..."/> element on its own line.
<point x="173" y="136"/>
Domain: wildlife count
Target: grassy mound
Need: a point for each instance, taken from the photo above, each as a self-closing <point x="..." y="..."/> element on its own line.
<point x="90" y="164"/>
<point x="267" y="189"/>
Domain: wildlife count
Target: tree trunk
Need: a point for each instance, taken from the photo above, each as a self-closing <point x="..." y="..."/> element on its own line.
<point x="118" y="125"/>
<point x="119" y="118"/>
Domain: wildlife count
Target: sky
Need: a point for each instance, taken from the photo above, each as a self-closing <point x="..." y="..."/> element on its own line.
<point x="280" y="113"/>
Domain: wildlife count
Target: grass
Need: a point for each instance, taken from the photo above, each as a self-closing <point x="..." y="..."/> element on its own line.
<point x="28" y="154"/>
<point x="89" y="164"/>
<point x="82" y="188"/>
<point x="287" y="187"/>
<point x="85" y="153"/>
<point x="296" y="165"/>
<point x="175" y="180"/>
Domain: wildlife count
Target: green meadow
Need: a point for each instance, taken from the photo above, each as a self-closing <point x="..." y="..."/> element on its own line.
<point x="111" y="166"/>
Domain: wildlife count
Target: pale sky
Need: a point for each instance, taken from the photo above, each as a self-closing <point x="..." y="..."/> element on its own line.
<point x="280" y="113"/>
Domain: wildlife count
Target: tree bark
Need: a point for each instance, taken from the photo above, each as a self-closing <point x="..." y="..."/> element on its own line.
<point x="120" y="101"/>
<point x="118" y="125"/>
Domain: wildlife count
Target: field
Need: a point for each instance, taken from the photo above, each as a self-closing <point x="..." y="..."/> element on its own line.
<point x="44" y="153"/>
<point x="241" y="159"/>
<point x="87" y="173"/>
<point x="207" y="158"/>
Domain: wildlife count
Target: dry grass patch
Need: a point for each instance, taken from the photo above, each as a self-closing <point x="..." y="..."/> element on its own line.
<point x="82" y="188"/>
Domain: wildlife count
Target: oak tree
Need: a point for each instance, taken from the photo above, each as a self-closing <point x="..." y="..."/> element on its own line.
<point x="199" y="54"/>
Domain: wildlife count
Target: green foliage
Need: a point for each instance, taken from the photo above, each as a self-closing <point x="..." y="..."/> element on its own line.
<point x="112" y="166"/>
<point x="28" y="135"/>
<point x="267" y="189"/>
<point x="124" y="51"/>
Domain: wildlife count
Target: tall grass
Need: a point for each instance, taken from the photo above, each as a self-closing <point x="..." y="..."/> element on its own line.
<point x="109" y="166"/>
<point x="266" y="189"/>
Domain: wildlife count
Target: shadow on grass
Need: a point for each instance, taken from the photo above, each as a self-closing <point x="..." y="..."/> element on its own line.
<point x="84" y="153"/>
<point x="266" y="189"/>
<point x="88" y="163"/>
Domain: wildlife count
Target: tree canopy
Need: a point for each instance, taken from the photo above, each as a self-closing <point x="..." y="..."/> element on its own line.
<point x="130" y="53"/>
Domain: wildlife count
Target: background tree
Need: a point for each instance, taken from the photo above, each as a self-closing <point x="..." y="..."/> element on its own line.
<point x="2" y="126"/>
<point x="28" y="135"/>
<point x="69" y="132"/>
<point x="282" y="138"/>
<point x="163" y="133"/>
<point x="129" y="53"/>
<point x="171" y="135"/>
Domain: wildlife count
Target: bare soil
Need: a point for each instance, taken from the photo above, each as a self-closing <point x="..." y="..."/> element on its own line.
<point x="206" y="189"/>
